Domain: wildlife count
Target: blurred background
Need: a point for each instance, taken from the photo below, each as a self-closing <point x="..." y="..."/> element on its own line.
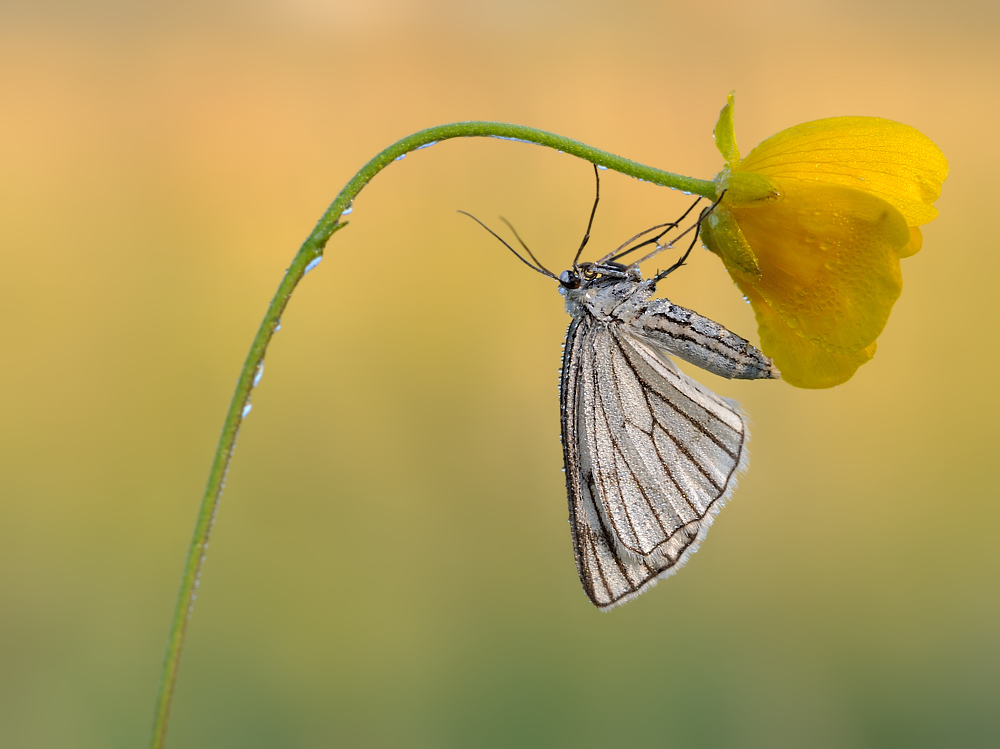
<point x="392" y="564"/>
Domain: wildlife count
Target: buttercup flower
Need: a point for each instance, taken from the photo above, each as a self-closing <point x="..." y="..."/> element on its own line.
<point x="812" y="227"/>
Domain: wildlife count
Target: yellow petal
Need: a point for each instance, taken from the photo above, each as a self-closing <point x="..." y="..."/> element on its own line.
<point x="914" y="245"/>
<point x="894" y="161"/>
<point x="828" y="261"/>
<point x="725" y="134"/>
<point x="800" y="362"/>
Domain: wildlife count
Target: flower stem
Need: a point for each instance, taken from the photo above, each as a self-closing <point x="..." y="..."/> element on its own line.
<point x="310" y="250"/>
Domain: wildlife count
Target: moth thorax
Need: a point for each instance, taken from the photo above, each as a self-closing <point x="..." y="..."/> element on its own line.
<point x="606" y="300"/>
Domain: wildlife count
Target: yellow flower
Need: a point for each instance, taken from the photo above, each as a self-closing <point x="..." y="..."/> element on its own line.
<point x="811" y="228"/>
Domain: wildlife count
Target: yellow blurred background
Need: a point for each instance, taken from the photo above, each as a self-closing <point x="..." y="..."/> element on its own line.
<point x="392" y="564"/>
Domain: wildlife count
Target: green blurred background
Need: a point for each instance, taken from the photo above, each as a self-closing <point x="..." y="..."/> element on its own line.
<point x="392" y="564"/>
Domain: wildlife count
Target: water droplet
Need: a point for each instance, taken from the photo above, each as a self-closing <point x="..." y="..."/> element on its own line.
<point x="602" y="168"/>
<point x="277" y="325"/>
<point x="246" y="409"/>
<point x="312" y="264"/>
<point x="400" y="157"/>
<point x="425" y="145"/>
<point x="349" y="210"/>
<point x="792" y="322"/>
<point x="258" y="374"/>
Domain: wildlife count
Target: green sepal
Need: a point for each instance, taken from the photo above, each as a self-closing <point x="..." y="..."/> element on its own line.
<point x="725" y="134"/>
<point x="747" y="187"/>
<point x="722" y="235"/>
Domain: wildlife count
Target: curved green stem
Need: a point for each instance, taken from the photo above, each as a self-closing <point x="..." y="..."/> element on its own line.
<point x="311" y="250"/>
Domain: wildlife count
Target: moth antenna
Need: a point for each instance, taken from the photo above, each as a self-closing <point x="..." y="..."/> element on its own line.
<point x="530" y="253"/>
<point x="543" y="271"/>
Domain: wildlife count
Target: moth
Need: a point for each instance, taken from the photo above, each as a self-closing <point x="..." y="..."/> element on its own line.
<point x="651" y="455"/>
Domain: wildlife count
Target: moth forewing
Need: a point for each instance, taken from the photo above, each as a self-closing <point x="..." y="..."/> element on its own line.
<point x="698" y="340"/>
<point x="651" y="455"/>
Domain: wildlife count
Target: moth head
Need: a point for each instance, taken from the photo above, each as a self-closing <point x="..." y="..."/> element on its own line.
<point x="589" y="273"/>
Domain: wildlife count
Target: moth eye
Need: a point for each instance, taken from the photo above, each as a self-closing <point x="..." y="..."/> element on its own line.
<point x="569" y="279"/>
